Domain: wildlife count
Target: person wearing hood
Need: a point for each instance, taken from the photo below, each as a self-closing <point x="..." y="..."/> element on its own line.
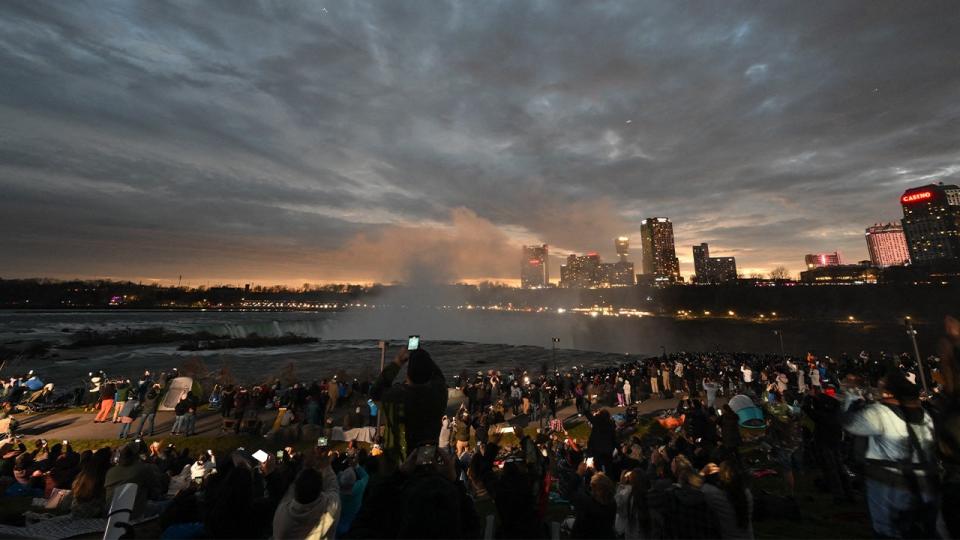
<point x="413" y="409"/>
<point x="311" y="508"/>
<point x="353" y="483"/>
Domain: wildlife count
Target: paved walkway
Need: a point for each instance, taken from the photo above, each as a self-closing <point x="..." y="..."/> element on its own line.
<point x="78" y="425"/>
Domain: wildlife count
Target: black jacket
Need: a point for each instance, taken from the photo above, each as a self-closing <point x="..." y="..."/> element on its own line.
<point x="412" y="411"/>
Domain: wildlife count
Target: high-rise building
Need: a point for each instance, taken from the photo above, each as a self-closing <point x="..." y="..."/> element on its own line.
<point x="534" y="267"/>
<point x="819" y="260"/>
<point x="617" y="274"/>
<point x="582" y="272"/>
<point x="701" y="254"/>
<point x="622" y="244"/>
<point x="887" y="245"/>
<point x="931" y="222"/>
<point x="713" y="269"/>
<point x="659" y="257"/>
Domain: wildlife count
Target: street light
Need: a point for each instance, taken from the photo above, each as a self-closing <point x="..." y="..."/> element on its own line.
<point x="916" y="353"/>
<point x="779" y="334"/>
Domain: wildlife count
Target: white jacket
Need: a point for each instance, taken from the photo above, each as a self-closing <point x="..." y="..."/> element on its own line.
<point x="311" y="521"/>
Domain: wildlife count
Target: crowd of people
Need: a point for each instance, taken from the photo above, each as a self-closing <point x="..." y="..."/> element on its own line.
<point x="861" y="426"/>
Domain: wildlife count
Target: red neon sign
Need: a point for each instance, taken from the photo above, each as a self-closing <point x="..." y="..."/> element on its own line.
<point x="916" y="197"/>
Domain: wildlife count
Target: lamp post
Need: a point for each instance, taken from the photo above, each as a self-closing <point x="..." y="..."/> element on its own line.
<point x="779" y="333"/>
<point x="916" y="353"/>
<point x="383" y="354"/>
<point x="554" y="342"/>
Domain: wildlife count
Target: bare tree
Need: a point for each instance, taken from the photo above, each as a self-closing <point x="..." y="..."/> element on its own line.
<point x="780" y="273"/>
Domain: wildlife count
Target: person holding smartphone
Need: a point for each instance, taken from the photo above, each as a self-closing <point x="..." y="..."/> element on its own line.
<point x="422" y="399"/>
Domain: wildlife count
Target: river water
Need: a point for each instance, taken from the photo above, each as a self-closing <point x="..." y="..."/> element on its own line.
<point x="460" y="340"/>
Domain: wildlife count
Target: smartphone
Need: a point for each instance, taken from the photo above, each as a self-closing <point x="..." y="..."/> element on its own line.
<point x="590" y="462"/>
<point x="65" y="442"/>
<point x="279" y="454"/>
<point x="321" y="441"/>
<point x="413" y="343"/>
<point x="426" y="454"/>
<point x="261" y="456"/>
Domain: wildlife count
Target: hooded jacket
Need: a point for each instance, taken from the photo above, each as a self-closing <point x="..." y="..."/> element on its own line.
<point x="311" y="521"/>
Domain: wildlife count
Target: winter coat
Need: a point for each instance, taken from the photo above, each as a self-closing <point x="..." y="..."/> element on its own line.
<point x="311" y="521"/>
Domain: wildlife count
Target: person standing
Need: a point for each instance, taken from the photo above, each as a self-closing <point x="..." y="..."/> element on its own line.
<point x="124" y="390"/>
<point x="654" y="379"/>
<point x="461" y="430"/>
<point x="627" y="398"/>
<point x="815" y="378"/>
<point x="412" y="410"/>
<point x="901" y="474"/>
<point x="747" y="376"/>
<point x="128" y="413"/>
<point x="148" y="413"/>
<point x="108" y="392"/>
<point x="180" y="410"/>
<point x="666" y="377"/>
<point x="710" y="388"/>
<point x="190" y="418"/>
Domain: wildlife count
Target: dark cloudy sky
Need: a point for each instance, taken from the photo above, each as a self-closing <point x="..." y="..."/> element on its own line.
<point x="331" y="140"/>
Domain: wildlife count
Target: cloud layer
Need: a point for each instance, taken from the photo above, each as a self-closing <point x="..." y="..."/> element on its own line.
<point x="370" y="141"/>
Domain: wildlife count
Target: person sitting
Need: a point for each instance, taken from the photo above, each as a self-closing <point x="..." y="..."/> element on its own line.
<point x="311" y="507"/>
<point x="130" y="470"/>
<point x="422" y="499"/>
<point x="353" y="483"/>
<point x="88" y="489"/>
<point x="730" y="501"/>
<point x="596" y="510"/>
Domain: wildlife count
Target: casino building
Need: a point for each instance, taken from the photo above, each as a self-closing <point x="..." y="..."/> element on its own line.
<point x="931" y="222"/>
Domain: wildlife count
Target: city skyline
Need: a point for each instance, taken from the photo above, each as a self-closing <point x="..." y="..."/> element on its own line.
<point x="408" y="141"/>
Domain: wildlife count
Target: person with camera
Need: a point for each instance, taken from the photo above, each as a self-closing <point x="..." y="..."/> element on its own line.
<point x="901" y="475"/>
<point x="412" y="410"/>
<point x="311" y="507"/>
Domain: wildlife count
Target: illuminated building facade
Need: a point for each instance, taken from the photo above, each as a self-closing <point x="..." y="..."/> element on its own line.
<point x="582" y="271"/>
<point x="659" y="256"/>
<point x="622" y="245"/>
<point x="618" y="274"/>
<point x="820" y="260"/>
<point x="713" y="269"/>
<point x="931" y="222"/>
<point x="841" y="274"/>
<point x="887" y="245"/>
<point x="534" y="267"/>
